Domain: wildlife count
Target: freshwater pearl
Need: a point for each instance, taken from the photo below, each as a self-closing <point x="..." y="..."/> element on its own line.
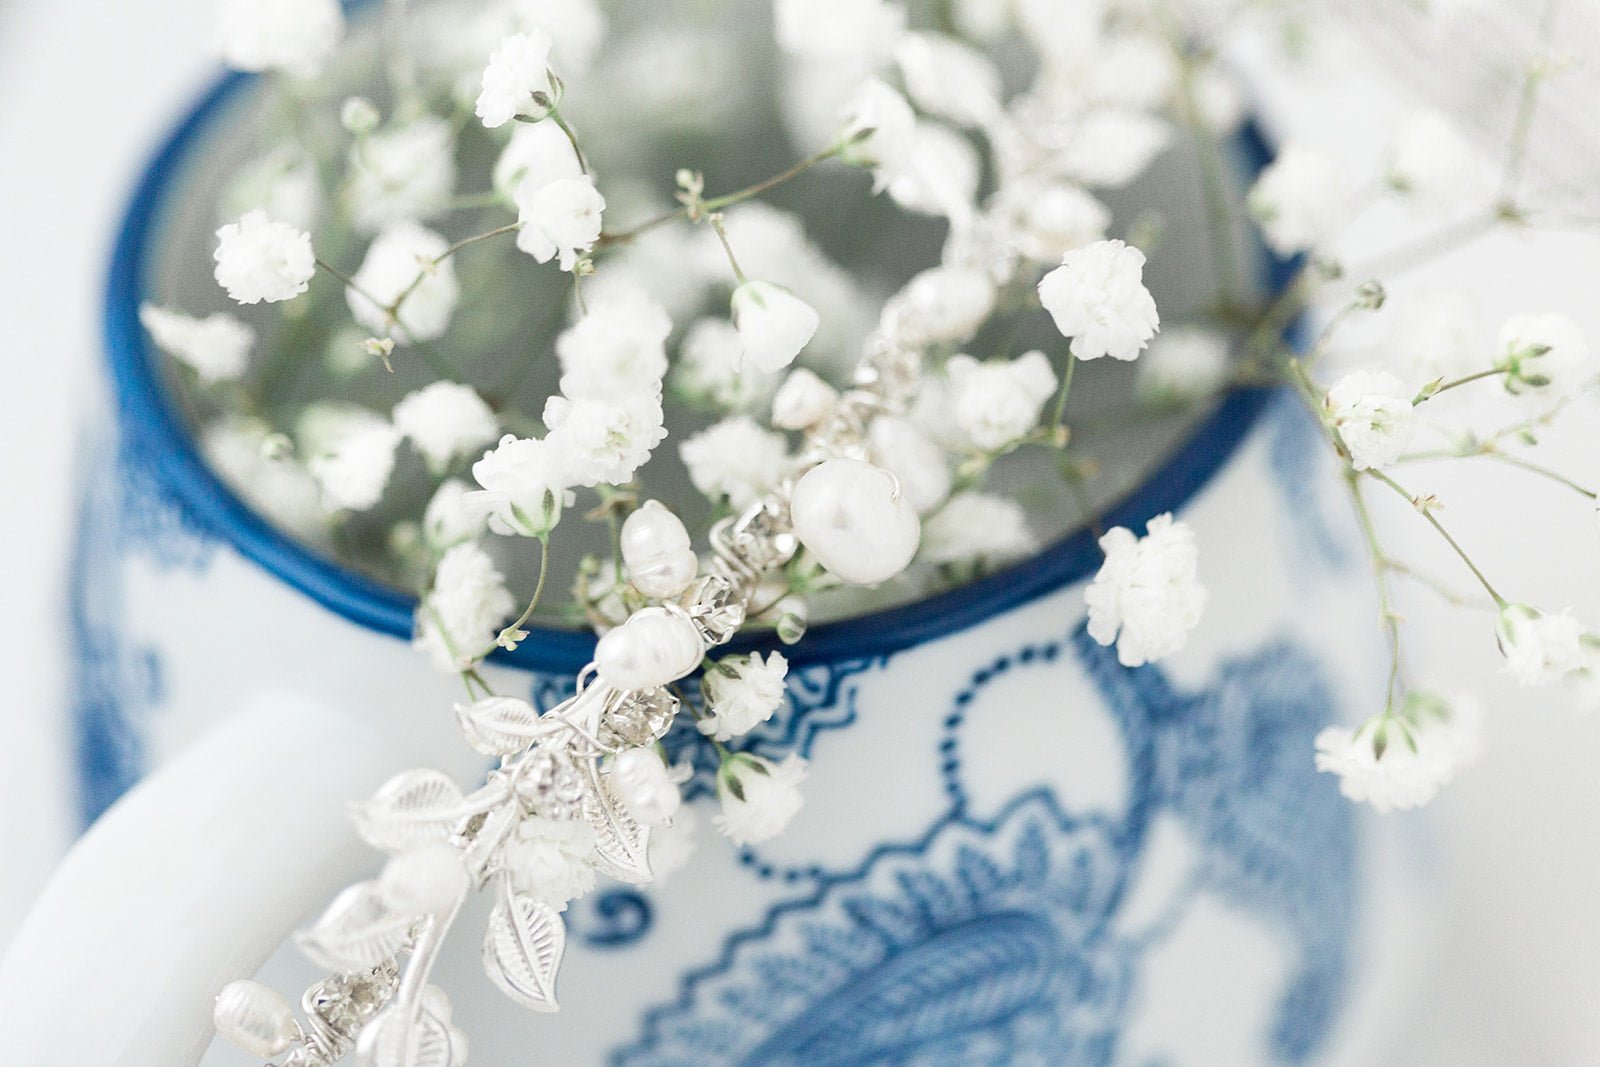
<point x="848" y="515"/>
<point x="642" y="783"/>
<point x="255" y="1018"/>
<point x="654" y="647"/>
<point x="425" y="880"/>
<point x="657" y="552"/>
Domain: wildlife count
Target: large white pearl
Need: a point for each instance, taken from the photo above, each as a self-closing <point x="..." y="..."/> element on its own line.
<point x="427" y="879"/>
<point x="847" y="513"/>
<point x="655" y="646"/>
<point x="642" y="783"/>
<point x="255" y="1018"/>
<point x="657" y="552"/>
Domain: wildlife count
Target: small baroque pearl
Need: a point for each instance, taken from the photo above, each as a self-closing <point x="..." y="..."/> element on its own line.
<point x="848" y="515"/>
<point x="655" y="646"/>
<point x="657" y="552"/>
<point x="427" y="879"/>
<point x="641" y="782"/>
<point x="255" y="1018"/>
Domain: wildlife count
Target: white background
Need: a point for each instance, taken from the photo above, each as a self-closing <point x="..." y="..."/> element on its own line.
<point x="86" y="86"/>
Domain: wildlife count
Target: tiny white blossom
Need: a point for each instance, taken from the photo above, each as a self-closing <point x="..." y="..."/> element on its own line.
<point x="1050" y="219"/>
<point x="538" y="153"/>
<point x="773" y="324"/>
<point x="1541" y="648"/>
<point x="759" y="798"/>
<point x="645" y="786"/>
<point x="350" y="452"/>
<point x="736" y="459"/>
<point x="292" y="35"/>
<point x="879" y="131"/>
<point x="977" y="527"/>
<point x="561" y="219"/>
<point x="258" y="259"/>
<point x="940" y="174"/>
<point x="603" y="439"/>
<point x="618" y="349"/>
<point x="407" y="173"/>
<point x="526" y="482"/>
<point x="449" y="519"/>
<point x="283" y="182"/>
<point x="997" y="402"/>
<point x="401" y="262"/>
<point x="462" y="614"/>
<point x="242" y="451"/>
<point x="1374" y="415"/>
<point x="710" y="367"/>
<point x="216" y="348"/>
<point x="949" y="79"/>
<point x="832" y="29"/>
<point x="1418" y="757"/>
<point x="1097" y="297"/>
<point x="551" y="860"/>
<point x="940" y="305"/>
<point x="741" y="693"/>
<point x="1183" y="363"/>
<point x="803" y="401"/>
<point x="1147" y="595"/>
<point x="517" y="80"/>
<point x="1435" y="167"/>
<point x="1300" y="199"/>
<point x="920" y="466"/>
<point x="1546" y="357"/>
<point x="444" y="421"/>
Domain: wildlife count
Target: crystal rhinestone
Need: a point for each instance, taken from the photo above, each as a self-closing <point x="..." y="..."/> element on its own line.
<point x="346" y="1002"/>
<point x="634" y="720"/>
<point x="551" y="785"/>
<point x="717" y="608"/>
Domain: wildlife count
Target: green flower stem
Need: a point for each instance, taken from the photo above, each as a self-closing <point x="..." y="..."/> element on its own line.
<point x="533" y="602"/>
<point x="1381" y="564"/>
<point x="1433" y="520"/>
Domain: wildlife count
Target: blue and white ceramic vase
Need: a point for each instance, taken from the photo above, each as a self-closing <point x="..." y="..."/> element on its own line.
<point x="1014" y="849"/>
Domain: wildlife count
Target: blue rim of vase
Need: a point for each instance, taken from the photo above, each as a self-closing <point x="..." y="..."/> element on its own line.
<point x="154" y="429"/>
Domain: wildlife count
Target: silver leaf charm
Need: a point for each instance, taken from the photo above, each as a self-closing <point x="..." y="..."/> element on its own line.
<point x="499" y="726"/>
<point x="411" y="809"/>
<point x="522" y="948"/>
<point x="392" y="1040"/>
<point x="622" y="845"/>
<point x="357" y="932"/>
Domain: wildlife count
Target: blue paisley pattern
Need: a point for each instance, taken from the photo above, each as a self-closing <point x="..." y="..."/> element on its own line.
<point x="994" y="941"/>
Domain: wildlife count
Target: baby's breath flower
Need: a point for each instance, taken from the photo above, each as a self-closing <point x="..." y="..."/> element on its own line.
<point x="398" y="257"/>
<point x="605" y="440"/>
<point x="879" y="127"/>
<point x="735" y="459"/>
<point x="1147" y="595"/>
<point x="1183" y="363"/>
<point x="292" y="35"/>
<point x="283" y="182"/>
<point x="350" y="452"/>
<point x="216" y="348"/>
<point x="921" y="467"/>
<point x="759" y="798"/>
<point x="550" y="859"/>
<point x="802" y="401"/>
<point x="241" y="450"/>
<point x="562" y="218"/>
<point x="463" y="612"/>
<point x="949" y="79"/>
<point x="940" y="174"/>
<point x="538" y="153"/>
<point x="449" y="520"/>
<point x="526" y="481"/>
<point x="1097" y="297"/>
<point x="1300" y="198"/>
<point x="940" y="305"/>
<point x="998" y="402"/>
<point x="517" y="80"/>
<point x="979" y="528"/>
<point x="1541" y="648"/>
<point x="1374" y="415"/>
<point x="832" y="30"/>
<point x="1546" y="357"/>
<point x="1439" y="337"/>
<point x="741" y="693"/>
<point x="710" y="368"/>
<point x="407" y="173"/>
<point x="1398" y="763"/>
<point x="258" y="259"/>
<point x="773" y="324"/>
<point x="617" y="349"/>
<point x="1434" y="166"/>
<point x="1050" y="218"/>
<point x="445" y="421"/>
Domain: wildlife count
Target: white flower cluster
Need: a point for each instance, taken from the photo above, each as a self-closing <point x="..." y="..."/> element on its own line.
<point x="1147" y="595"/>
<point x="1395" y="763"/>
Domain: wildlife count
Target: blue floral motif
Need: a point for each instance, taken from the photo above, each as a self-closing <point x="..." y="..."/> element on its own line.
<point x="115" y="681"/>
<point x="994" y="942"/>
